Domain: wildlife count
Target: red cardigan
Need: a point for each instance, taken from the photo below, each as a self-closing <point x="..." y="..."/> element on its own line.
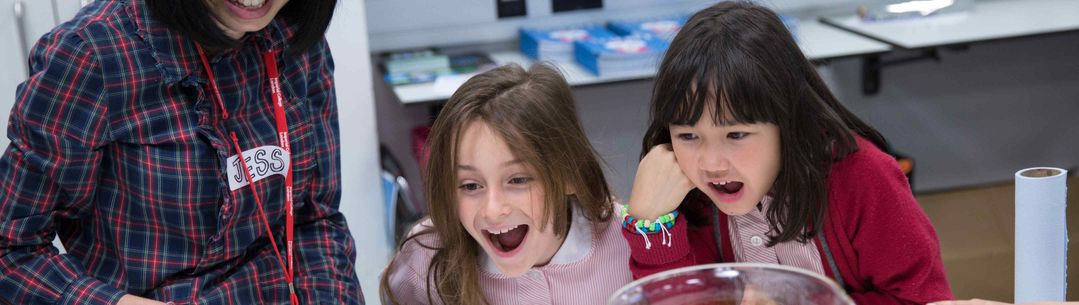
<point x="876" y="235"/>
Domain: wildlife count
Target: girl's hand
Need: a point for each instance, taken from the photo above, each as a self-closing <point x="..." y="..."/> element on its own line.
<point x="659" y="186"/>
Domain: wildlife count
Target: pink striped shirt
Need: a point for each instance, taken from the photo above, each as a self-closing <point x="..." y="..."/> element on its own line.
<point x="591" y="264"/>
<point x="750" y="240"/>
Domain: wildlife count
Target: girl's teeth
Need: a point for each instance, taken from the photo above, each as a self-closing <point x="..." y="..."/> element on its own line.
<point x="503" y="231"/>
<point x="251" y="3"/>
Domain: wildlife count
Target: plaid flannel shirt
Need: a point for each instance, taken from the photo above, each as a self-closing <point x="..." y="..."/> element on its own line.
<point x="118" y="147"/>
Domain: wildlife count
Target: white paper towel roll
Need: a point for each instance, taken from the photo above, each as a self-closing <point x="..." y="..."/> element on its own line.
<point x="1041" y="234"/>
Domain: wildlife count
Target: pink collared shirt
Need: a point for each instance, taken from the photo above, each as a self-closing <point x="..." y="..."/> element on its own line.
<point x="750" y="243"/>
<point x="587" y="269"/>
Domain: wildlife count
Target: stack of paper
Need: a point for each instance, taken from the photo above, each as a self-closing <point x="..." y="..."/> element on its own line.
<point x="663" y="28"/>
<point x="557" y="44"/>
<point x="637" y="54"/>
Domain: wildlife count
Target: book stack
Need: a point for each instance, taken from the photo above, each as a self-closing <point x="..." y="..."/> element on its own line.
<point x="663" y="28"/>
<point x="636" y="54"/>
<point x="557" y="44"/>
<point x="425" y="66"/>
<point x="415" y="66"/>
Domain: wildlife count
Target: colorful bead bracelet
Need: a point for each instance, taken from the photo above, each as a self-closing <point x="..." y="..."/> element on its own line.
<point x="662" y="225"/>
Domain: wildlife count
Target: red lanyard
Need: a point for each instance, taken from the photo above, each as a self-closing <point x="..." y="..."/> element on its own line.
<point x="270" y="60"/>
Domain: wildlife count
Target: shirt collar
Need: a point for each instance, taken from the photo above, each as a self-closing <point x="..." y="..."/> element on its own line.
<point x="576" y="247"/>
<point x="177" y="57"/>
<point x="765" y="203"/>
<point x="759" y="212"/>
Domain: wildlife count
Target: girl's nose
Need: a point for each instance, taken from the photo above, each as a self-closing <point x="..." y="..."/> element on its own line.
<point x="713" y="163"/>
<point x="495" y="207"/>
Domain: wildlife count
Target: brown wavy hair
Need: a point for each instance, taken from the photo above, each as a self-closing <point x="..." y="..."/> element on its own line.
<point x="744" y="60"/>
<point x="534" y="112"/>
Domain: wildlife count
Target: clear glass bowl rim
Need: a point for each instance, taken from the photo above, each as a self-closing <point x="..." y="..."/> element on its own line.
<point x="675" y="272"/>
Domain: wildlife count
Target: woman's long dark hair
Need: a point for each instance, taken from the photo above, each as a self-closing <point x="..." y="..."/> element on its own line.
<point x="193" y="19"/>
<point x="739" y="57"/>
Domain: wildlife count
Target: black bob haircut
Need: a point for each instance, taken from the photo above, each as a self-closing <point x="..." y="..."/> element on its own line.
<point x="740" y="59"/>
<point x="192" y="18"/>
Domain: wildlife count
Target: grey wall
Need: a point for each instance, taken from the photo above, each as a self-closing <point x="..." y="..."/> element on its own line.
<point x="980" y="115"/>
<point x="401" y="24"/>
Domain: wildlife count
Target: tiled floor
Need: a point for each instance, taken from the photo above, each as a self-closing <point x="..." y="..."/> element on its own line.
<point x="976" y="229"/>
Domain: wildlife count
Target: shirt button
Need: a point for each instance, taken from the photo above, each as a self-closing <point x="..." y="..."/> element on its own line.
<point x="756" y="241"/>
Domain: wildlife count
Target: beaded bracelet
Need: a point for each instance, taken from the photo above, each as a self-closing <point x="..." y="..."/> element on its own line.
<point x="643" y="226"/>
<point x="648" y="226"/>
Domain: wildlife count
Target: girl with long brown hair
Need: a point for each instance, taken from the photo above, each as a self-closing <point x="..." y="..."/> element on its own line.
<point x="520" y="209"/>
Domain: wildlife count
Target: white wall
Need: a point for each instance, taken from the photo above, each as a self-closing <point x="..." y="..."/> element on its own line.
<point x="361" y="198"/>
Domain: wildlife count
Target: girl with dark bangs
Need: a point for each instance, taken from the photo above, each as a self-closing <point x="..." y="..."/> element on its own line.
<point x="520" y="209"/>
<point x="760" y="163"/>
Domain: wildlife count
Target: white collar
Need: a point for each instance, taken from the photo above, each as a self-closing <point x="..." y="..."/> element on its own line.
<point x="576" y="246"/>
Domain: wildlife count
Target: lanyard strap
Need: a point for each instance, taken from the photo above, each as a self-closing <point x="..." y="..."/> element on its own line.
<point x="282" y="139"/>
<point x="270" y="61"/>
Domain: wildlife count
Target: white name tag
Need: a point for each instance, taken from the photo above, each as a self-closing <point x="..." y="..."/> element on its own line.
<point x="262" y="162"/>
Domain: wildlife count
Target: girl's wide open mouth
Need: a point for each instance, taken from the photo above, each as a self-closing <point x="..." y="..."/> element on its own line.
<point x="727" y="187"/>
<point x="507" y="240"/>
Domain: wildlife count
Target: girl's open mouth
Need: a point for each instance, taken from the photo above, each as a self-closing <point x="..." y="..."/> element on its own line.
<point x="507" y="240"/>
<point x="249" y="9"/>
<point x="727" y="187"/>
<point x="727" y="191"/>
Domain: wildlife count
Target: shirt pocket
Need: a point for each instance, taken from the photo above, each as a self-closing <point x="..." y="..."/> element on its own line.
<point x="166" y="165"/>
<point x="303" y="143"/>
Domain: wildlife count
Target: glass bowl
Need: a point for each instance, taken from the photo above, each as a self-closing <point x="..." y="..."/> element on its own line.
<point x="732" y="284"/>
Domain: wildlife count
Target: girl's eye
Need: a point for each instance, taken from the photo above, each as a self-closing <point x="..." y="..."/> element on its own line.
<point x="687" y="136"/>
<point x="520" y="180"/>
<point x="469" y="187"/>
<point x="737" y="135"/>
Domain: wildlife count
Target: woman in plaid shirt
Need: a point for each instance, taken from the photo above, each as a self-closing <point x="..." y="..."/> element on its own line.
<point x="125" y="141"/>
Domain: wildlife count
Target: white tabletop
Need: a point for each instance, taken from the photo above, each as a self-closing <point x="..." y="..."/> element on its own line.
<point x="818" y="42"/>
<point x="986" y="20"/>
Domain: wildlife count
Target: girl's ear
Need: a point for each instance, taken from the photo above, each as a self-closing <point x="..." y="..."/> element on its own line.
<point x="570" y="190"/>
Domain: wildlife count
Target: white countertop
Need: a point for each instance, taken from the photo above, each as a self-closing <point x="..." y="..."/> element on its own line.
<point x="986" y="20"/>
